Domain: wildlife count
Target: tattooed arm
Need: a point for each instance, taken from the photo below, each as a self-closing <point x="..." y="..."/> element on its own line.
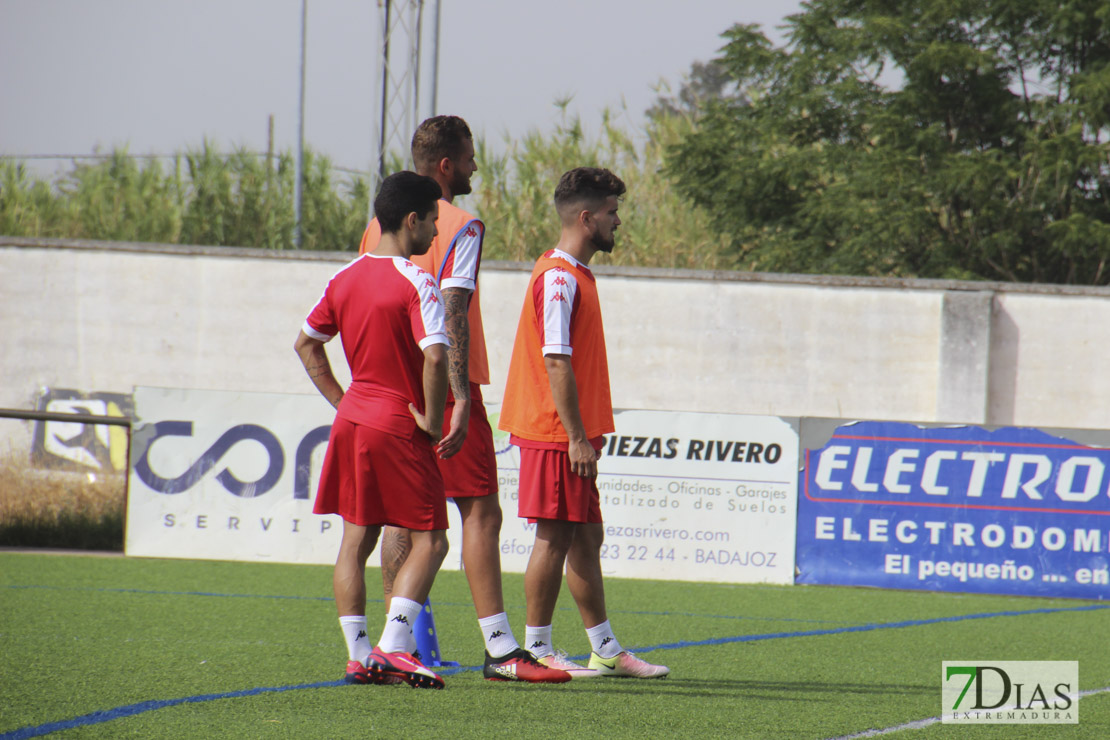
<point x="315" y="360"/>
<point x="457" y="304"/>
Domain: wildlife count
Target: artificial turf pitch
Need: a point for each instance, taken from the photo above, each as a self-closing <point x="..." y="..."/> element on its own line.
<point x="113" y="647"/>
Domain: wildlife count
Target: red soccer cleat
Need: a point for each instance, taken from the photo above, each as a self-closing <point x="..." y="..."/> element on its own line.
<point x="384" y="666"/>
<point x="520" y="665"/>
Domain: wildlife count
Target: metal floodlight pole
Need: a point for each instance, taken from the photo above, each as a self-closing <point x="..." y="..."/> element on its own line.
<point x="402" y="23"/>
<point x="435" y="63"/>
<point x="298" y="194"/>
<point x="412" y="100"/>
<point x="415" y="66"/>
<point x="383" y="123"/>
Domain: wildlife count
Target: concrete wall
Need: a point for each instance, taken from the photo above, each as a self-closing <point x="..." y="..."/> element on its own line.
<point x="104" y="317"/>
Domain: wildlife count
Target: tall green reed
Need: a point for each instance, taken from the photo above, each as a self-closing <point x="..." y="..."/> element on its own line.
<point x="243" y="199"/>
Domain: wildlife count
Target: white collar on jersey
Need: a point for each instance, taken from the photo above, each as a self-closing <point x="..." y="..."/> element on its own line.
<point x="563" y="255"/>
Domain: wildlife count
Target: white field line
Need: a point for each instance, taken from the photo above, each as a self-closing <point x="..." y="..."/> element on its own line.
<point x="919" y="724"/>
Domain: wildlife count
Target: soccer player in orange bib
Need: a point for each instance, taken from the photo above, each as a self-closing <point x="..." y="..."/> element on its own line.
<point x="443" y="149"/>
<point x="557" y="408"/>
<point x="380" y="464"/>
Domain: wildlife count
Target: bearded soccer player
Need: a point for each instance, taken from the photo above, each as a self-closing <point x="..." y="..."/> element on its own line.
<point x="380" y="466"/>
<point x="557" y="408"/>
<point x="443" y="149"/>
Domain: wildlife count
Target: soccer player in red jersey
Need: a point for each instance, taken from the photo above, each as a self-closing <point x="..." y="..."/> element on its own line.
<point x="379" y="468"/>
<point x="557" y="408"/>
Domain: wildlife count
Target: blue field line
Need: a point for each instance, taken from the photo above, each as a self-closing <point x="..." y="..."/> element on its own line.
<point x="130" y="710"/>
<point x="147" y="706"/>
<point x="739" y="617"/>
<point x="872" y="627"/>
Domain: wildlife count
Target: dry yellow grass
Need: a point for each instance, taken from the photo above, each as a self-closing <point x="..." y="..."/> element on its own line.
<point x="41" y="508"/>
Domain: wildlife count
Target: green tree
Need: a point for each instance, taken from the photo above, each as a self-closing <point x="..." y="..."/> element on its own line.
<point x="706" y="81"/>
<point x="927" y="138"/>
<point x="513" y="195"/>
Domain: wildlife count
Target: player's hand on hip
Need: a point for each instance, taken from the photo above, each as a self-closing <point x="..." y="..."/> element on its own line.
<point x="435" y="432"/>
<point x="583" y="459"/>
<point x="456" y="434"/>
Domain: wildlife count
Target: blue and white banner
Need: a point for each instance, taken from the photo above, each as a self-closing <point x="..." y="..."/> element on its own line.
<point x="233" y="476"/>
<point x="228" y="476"/>
<point x="1009" y="511"/>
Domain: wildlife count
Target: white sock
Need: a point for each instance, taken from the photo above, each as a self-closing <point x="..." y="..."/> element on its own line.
<point x="397" y="634"/>
<point x="410" y="644"/>
<point x="537" y="640"/>
<point x="498" y="634"/>
<point x="603" y="641"/>
<point x="354" y="632"/>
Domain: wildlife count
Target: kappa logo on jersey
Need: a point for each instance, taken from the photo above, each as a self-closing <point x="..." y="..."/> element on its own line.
<point x="470" y="231"/>
<point x="559" y="281"/>
<point x="429" y="283"/>
<point x="558" y="297"/>
<point x="432" y="298"/>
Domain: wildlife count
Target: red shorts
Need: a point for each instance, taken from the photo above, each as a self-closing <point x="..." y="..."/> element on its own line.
<point x="472" y="471"/>
<point x="371" y="478"/>
<point x="549" y="489"/>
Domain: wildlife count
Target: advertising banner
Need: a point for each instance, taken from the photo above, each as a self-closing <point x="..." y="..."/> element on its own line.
<point x="233" y="476"/>
<point x="685" y="496"/>
<point x="228" y="476"/>
<point x="1008" y="511"/>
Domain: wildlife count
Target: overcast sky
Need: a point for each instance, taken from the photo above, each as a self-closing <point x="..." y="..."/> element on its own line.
<point x="159" y="76"/>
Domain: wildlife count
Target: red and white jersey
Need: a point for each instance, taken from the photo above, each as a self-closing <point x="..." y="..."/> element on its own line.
<point x="454" y="260"/>
<point x="556" y="296"/>
<point x="387" y="311"/>
<point x="561" y="315"/>
<point x="459" y="268"/>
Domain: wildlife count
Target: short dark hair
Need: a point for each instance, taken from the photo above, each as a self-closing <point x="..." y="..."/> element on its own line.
<point x="586" y="186"/>
<point x="436" y="138"/>
<point x="403" y="193"/>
